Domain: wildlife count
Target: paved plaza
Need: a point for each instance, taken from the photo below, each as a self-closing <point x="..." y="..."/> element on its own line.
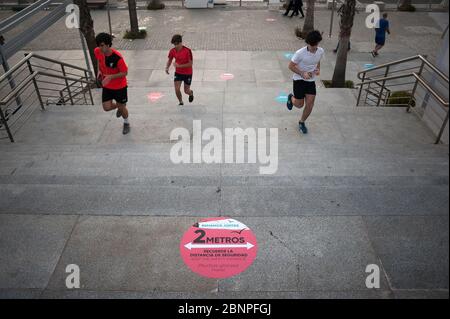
<point x="365" y="186"/>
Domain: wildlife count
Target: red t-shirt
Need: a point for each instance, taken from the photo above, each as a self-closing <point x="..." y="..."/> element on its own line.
<point x="182" y="57"/>
<point x="112" y="64"/>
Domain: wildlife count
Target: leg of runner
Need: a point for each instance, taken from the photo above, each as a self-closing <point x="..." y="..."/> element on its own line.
<point x="124" y="113"/>
<point x="307" y="112"/>
<point x="178" y="91"/>
<point x="109" y="106"/>
<point x="298" y="103"/>
<point x="189" y="92"/>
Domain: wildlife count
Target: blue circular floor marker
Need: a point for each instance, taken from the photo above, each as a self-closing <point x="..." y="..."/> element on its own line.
<point x="288" y="55"/>
<point x="282" y="98"/>
<point x="368" y="66"/>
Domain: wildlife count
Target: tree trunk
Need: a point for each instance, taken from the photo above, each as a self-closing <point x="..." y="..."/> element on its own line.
<point x="134" y="27"/>
<point x="347" y="14"/>
<point x="309" y="18"/>
<point x="87" y="29"/>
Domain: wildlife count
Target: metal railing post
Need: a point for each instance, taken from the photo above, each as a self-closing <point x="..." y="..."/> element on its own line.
<point x="332" y="18"/>
<point x="383" y="84"/>
<point x="441" y="131"/>
<point x="11" y="81"/>
<point x="5" y="123"/>
<point x="360" y="89"/>
<point x="408" y="109"/>
<point x="89" y="88"/>
<point x="67" y="84"/>
<point x="30" y="68"/>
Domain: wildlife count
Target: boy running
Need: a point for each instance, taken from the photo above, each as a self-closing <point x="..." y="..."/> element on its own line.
<point x="112" y="72"/>
<point x="183" y="68"/>
<point x="306" y="66"/>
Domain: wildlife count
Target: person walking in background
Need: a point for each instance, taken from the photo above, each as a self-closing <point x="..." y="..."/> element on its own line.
<point x="296" y="5"/>
<point x="380" y="34"/>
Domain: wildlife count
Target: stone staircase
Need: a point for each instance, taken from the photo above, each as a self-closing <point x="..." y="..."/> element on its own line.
<point x="366" y="185"/>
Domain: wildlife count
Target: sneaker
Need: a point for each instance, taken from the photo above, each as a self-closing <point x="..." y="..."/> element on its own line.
<point x="191" y="97"/>
<point x="118" y="113"/>
<point x="289" y="101"/>
<point x="181" y="104"/>
<point x="374" y="54"/>
<point x="126" y="128"/>
<point x="303" y="127"/>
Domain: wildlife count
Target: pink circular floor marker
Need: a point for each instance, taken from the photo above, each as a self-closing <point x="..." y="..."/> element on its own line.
<point x="154" y="96"/>
<point x="227" y="76"/>
<point x="218" y="247"/>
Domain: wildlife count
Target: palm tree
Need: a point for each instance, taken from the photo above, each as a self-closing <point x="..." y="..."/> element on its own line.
<point x="87" y="29"/>
<point x="134" y="27"/>
<point x="308" y="26"/>
<point x="347" y="14"/>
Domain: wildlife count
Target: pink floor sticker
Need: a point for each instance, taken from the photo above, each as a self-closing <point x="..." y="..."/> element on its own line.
<point x="154" y="96"/>
<point x="218" y="247"/>
<point x="227" y="76"/>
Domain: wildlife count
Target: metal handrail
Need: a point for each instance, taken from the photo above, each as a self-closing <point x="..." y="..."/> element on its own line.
<point x="27" y="12"/>
<point x="19" y="88"/>
<point x="416" y="57"/>
<point x="413" y="74"/>
<point x="32" y="54"/>
<point x="32" y="76"/>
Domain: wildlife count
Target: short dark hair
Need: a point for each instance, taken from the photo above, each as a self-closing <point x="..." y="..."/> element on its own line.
<point x="385" y="15"/>
<point x="176" y="39"/>
<point x="103" y="38"/>
<point x="313" y="38"/>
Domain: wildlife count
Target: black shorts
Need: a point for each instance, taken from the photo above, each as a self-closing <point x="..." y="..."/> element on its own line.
<point x="120" y="95"/>
<point x="380" y="40"/>
<point x="301" y="88"/>
<point x="186" y="78"/>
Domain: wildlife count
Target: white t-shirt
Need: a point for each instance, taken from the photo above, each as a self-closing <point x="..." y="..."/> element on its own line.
<point x="307" y="62"/>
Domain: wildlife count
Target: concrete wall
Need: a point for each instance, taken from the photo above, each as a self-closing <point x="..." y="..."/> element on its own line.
<point x="434" y="113"/>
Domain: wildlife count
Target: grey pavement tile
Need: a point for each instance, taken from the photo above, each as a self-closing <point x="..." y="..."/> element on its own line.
<point x="20" y="293"/>
<point x="130" y="254"/>
<point x="421" y="294"/>
<point x="30" y="247"/>
<point x="413" y="249"/>
<point x="307" y="254"/>
<point x="111" y="200"/>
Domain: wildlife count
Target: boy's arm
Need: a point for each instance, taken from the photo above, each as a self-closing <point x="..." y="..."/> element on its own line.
<point x="293" y="67"/>
<point x="317" y="70"/>
<point x="169" y="62"/>
<point x="186" y="65"/>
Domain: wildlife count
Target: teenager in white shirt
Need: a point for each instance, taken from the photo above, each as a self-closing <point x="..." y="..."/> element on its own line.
<point x="306" y="66"/>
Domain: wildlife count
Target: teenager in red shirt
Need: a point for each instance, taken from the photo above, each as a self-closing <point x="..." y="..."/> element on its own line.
<point x="183" y="68"/>
<point x="112" y="71"/>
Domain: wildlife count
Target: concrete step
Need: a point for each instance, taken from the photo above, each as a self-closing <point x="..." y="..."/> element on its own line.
<point x="217" y="200"/>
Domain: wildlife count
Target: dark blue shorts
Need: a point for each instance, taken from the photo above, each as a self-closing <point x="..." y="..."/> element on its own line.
<point x="186" y="78"/>
<point x="380" y="40"/>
